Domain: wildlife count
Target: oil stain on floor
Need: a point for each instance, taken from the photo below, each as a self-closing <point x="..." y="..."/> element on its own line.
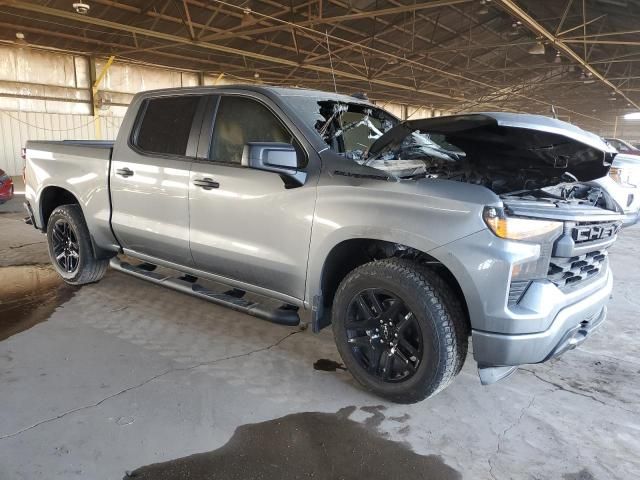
<point x="28" y="295"/>
<point x="326" y="365"/>
<point x="311" y="445"/>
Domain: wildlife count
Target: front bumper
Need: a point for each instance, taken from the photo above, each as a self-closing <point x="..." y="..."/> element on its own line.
<point x="571" y="326"/>
<point x="546" y="321"/>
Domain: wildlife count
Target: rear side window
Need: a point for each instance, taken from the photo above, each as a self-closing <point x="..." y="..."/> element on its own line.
<point x="241" y="120"/>
<point x="165" y="124"/>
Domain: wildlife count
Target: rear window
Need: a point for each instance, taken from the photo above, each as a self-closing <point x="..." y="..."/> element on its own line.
<point x="165" y="124"/>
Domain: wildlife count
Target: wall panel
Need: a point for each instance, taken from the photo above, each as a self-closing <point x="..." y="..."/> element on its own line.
<point x="18" y="127"/>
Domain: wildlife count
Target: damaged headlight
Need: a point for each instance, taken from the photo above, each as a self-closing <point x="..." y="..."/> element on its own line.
<point x="518" y="228"/>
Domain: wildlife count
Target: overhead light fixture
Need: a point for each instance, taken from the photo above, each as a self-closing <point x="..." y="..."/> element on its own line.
<point x="632" y="116"/>
<point x="537" y="49"/>
<point x="484" y="7"/>
<point x="516" y="27"/>
<point x="81" y="8"/>
<point x="247" y="18"/>
<point x="558" y="58"/>
<point x="20" y="38"/>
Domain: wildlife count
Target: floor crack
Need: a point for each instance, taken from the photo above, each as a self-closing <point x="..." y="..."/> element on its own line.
<point x="26" y="245"/>
<point x="504" y="433"/>
<point x="149" y="380"/>
<point x="574" y="392"/>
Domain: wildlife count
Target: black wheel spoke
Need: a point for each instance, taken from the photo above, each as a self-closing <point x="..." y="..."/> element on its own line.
<point x="387" y="366"/>
<point x="407" y="347"/>
<point x="374" y="363"/>
<point x="384" y="335"/>
<point x="57" y="235"/>
<point x="362" y="341"/>
<point x="394" y="309"/>
<point x="65" y="246"/>
<point x="376" y="307"/>
<point x="365" y="310"/>
<point x="405" y="322"/>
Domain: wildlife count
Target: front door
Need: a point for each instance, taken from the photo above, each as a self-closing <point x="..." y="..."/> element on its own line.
<point x="150" y="178"/>
<point x="246" y="224"/>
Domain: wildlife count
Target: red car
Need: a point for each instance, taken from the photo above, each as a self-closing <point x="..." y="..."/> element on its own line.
<point x="6" y="187"/>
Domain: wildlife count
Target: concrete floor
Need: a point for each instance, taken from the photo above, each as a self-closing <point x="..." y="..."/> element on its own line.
<point x="122" y="374"/>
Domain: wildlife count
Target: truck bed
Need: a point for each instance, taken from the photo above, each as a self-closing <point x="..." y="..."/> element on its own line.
<point x="82" y="168"/>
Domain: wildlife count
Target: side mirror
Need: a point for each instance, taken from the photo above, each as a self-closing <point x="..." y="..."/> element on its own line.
<point x="274" y="157"/>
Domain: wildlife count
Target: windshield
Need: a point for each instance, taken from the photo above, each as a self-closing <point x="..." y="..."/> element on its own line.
<point x="348" y="128"/>
<point x="351" y="128"/>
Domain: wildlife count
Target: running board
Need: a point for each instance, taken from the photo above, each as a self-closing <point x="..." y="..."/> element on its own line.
<point x="285" y="315"/>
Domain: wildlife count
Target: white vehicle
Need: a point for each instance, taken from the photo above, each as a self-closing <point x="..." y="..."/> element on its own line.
<point x="623" y="185"/>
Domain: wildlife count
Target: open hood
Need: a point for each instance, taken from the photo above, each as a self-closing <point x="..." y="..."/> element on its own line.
<point x="543" y="146"/>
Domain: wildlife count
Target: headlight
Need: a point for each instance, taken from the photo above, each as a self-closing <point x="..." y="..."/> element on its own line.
<point x="622" y="176"/>
<point x="519" y="228"/>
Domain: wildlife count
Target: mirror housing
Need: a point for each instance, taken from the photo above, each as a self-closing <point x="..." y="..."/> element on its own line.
<point x="274" y="157"/>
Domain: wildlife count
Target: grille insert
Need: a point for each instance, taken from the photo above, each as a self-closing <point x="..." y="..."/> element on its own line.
<point x="570" y="272"/>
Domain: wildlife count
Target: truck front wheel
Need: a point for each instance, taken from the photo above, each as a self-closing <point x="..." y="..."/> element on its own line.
<point x="394" y="326"/>
<point x="70" y="247"/>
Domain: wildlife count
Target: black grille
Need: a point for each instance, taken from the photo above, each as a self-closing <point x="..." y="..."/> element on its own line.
<point x="574" y="271"/>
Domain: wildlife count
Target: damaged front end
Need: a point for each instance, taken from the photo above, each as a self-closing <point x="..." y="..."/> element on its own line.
<point x="517" y="156"/>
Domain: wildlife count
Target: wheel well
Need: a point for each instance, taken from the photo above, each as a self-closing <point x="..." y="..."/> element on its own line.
<point x="350" y="254"/>
<point x="51" y="198"/>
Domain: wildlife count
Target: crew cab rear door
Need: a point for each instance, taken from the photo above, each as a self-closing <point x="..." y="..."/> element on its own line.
<point x="249" y="225"/>
<point x="150" y="177"/>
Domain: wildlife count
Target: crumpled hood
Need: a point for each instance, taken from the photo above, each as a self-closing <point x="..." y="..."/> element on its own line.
<point x="513" y="141"/>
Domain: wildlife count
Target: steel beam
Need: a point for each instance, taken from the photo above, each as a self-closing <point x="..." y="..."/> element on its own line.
<point x="338" y="19"/>
<point x="218" y="48"/>
<point x="559" y="44"/>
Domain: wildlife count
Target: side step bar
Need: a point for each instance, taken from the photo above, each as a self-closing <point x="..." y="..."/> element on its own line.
<point x="285" y="315"/>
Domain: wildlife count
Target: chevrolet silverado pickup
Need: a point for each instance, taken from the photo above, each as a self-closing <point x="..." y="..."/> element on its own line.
<point x="407" y="237"/>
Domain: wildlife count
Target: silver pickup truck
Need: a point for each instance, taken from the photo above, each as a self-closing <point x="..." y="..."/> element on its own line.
<point x="407" y="237"/>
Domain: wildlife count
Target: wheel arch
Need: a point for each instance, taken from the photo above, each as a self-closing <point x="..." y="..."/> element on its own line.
<point x="52" y="197"/>
<point x="351" y="253"/>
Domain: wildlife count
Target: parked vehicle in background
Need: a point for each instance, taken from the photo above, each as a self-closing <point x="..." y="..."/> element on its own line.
<point x="623" y="184"/>
<point x="623" y="147"/>
<point x="6" y="187"/>
<point x="405" y="237"/>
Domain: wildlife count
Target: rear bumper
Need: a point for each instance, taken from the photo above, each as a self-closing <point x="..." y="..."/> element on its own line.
<point x="570" y="327"/>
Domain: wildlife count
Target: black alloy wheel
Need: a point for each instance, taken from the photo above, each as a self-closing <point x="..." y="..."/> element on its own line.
<point x="384" y="335"/>
<point x="66" y="248"/>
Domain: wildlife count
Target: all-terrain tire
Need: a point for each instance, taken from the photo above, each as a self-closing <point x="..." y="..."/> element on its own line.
<point x="434" y="305"/>
<point x="89" y="269"/>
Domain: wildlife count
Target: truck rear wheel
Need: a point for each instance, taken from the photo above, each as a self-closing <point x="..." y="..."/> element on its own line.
<point x="394" y="328"/>
<point x="70" y="247"/>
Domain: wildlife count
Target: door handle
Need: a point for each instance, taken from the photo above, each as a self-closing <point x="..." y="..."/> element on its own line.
<point x="124" y="172"/>
<point x="206" y="183"/>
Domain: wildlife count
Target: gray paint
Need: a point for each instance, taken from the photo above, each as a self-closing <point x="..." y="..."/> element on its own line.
<point x="255" y="234"/>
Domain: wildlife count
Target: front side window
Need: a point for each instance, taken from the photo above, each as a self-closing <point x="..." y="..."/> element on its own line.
<point x="241" y="120"/>
<point x="165" y="124"/>
<point x="349" y="129"/>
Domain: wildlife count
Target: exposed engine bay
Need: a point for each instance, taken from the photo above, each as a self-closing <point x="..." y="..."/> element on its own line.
<point x="514" y="162"/>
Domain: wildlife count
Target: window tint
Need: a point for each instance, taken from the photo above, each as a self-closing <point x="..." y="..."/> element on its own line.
<point x="166" y="124"/>
<point x="241" y="120"/>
